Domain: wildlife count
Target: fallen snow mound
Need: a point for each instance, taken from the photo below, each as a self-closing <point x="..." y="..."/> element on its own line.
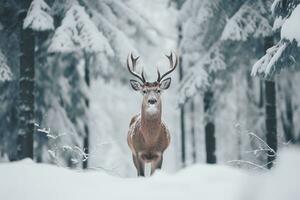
<point x="26" y="180"/>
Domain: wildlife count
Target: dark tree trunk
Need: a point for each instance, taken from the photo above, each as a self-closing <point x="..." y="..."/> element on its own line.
<point x="209" y="127"/>
<point x="87" y="102"/>
<point x="270" y="112"/>
<point x="287" y="115"/>
<point x="261" y="94"/>
<point x="26" y="91"/>
<point x="182" y="130"/>
<point x="193" y="135"/>
<point x="182" y="110"/>
<point x="271" y="127"/>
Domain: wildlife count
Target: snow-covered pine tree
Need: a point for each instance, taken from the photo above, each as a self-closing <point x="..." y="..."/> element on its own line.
<point x="283" y="55"/>
<point x="37" y="19"/>
<point x="210" y="56"/>
<point x="286" y="51"/>
<point x="202" y="59"/>
<point x="182" y="107"/>
<point x="26" y="92"/>
<point x="78" y="34"/>
<point x="9" y="45"/>
<point x="253" y="20"/>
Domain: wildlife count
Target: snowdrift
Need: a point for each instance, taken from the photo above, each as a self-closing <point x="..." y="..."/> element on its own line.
<point x="26" y="180"/>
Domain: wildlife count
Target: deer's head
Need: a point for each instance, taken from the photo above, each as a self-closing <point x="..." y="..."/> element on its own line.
<point x="151" y="91"/>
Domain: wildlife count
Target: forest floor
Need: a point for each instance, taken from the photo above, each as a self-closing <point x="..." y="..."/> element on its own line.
<point x="26" y="180"/>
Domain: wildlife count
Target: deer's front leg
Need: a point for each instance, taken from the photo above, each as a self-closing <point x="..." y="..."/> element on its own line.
<point x="141" y="167"/>
<point x="157" y="162"/>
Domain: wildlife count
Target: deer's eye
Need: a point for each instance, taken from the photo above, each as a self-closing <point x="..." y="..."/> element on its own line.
<point x="158" y="91"/>
<point x="144" y="91"/>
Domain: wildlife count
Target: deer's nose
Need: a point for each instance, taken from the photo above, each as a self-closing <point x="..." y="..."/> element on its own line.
<point x="152" y="101"/>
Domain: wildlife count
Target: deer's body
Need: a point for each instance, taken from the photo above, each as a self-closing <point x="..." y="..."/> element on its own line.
<point x="148" y="137"/>
<point x="147" y="142"/>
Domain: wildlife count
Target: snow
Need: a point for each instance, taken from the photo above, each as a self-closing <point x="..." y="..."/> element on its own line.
<point x="78" y="32"/>
<point x="266" y="65"/>
<point x="200" y="181"/>
<point x="38" y="17"/>
<point x="291" y="27"/>
<point x="246" y="22"/>
<point x="5" y="72"/>
<point x="274" y="5"/>
<point x="278" y="22"/>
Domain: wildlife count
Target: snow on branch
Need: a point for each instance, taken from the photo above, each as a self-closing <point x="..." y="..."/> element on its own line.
<point x="193" y="81"/>
<point x="78" y="32"/>
<point x="266" y="66"/>
<point x="197" y="77"/>
<point x="275" y="5"/>
<point x="5" y="73"/>
<point x="118" y="40"/>
<point x="248" y="21"/>
<point x="38" y="17"/>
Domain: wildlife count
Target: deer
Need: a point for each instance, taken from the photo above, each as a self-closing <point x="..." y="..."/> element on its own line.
<point x="148" y="136"/>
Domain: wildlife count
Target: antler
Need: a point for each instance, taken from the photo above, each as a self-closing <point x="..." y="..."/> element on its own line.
<point x="134" y="60"/>
<point x="172" y="65"/>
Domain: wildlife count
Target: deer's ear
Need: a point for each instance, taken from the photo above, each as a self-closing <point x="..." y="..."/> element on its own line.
<point x="165" y="84"/>
<point x="137" y="86"/>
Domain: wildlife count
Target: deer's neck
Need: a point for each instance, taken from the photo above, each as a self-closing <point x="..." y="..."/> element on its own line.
<point x="151" y="121"/>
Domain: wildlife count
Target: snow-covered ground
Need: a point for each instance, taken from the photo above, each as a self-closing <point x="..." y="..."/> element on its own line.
<point x="25" y="180"/>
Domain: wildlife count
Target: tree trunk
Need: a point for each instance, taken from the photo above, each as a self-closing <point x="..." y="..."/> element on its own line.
<point x="271" y="127"/>
<point x="270" y="112"/>
<point x="182" y="130"/>
<point x="193" y="135"/>
<point x="287" y="114"/>
<point x="26" y="91"/>
<point x="182" y="110"/>
<point x="87" y="102"/>
<point x="209" y="127"/>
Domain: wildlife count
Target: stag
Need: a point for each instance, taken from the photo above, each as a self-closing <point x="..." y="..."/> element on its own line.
<point x="148" y="137"/>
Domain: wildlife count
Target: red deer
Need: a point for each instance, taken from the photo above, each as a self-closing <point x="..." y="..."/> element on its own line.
<point x="148" y="137"/>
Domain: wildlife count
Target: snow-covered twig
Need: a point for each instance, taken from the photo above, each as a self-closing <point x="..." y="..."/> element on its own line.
<point x="249" y="163"/>
<point x="262" y="141"/>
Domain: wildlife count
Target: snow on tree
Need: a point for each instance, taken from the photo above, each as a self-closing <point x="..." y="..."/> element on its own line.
<point x="38" y="17"/>
<point x="200" y="60"/>
<point x="248" y="21"/>
<point x="125" y="28"/>
<point x="77" y="32"/>
<point x="220" y="41"/>
<point x="5" y="73"/>
<point x="203" y="61"/>
<point x="286" y="51"/>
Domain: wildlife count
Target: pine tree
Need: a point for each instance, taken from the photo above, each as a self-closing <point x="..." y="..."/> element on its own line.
<point x="210" y="55"/>
<point x="9" y="85"/>
<point x="285" y="52"/>
<point x="37" y="19"/>
<point x="26" y="95"/>
<point x="277" y="57"/>
<point x="182" y="108"/>
<point x="201" y="75"/>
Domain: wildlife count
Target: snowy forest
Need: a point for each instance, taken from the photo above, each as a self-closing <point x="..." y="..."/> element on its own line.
<point x="199" y="96"/>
